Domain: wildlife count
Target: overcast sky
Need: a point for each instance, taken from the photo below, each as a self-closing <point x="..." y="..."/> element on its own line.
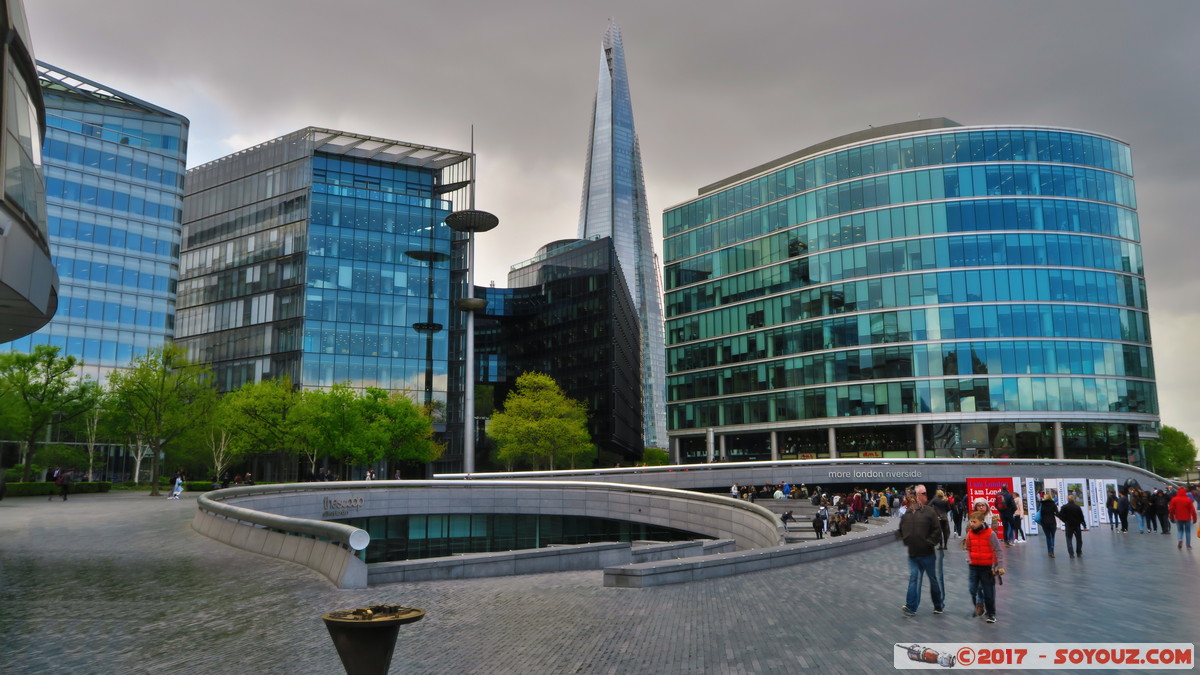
<point x="717" y="87"/>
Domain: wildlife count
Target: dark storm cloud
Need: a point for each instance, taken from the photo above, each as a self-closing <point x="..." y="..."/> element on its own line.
<point x="717" y="88"/>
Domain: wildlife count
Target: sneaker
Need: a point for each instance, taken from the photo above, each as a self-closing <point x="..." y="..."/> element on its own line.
<point x="907" y="611"/>
<point x="939" y="610"/>
<point x="991" y="618"/>
<point x="978" y="609"/>
<point x="1080" y="554"/>
<point x="1071" y="554"/>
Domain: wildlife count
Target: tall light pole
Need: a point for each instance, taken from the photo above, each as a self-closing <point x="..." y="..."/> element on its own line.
<point x="470" y="221"/>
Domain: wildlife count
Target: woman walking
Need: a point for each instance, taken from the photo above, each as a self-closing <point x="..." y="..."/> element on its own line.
<point x="1047" y="519"/>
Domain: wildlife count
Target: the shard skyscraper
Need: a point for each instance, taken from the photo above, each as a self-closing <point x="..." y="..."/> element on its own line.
<point x="614" y="205"/>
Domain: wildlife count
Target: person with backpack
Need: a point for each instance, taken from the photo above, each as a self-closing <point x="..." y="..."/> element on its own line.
<point x="818" y="524"/>
<point x="1006" y="506"/>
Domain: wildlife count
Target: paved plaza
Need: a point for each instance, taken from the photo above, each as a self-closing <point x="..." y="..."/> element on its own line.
<point x="119" y="583"/>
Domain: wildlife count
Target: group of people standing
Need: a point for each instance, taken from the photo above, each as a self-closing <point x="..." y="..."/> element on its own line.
<point x="993" y="526"/>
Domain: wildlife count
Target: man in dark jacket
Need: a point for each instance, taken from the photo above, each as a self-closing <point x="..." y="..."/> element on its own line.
<point x="1072" y="519"/>
<point x="1161" y="500"/>
<point x="921" y="533"/>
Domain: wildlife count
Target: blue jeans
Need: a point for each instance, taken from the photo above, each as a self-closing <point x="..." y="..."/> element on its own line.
<point x="1183" y="527"/>
<point x="1141" y="522"/>
<point x="1050" y="539"/>
<point x="983" y="587"/>
<point x="923" y="565"/>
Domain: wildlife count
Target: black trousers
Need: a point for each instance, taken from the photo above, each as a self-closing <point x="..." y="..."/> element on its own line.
<point x="1076" y="534"/>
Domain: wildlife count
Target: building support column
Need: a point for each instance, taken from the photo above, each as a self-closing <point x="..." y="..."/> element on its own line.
<point x="709" y="441"/>
<point x="832" y="443"/>
<point x="1058" y="446"/>
<point x="674" y="449"/>
<point x="774" y="446"/>
<point x="724" y="456"/>
<point x="919" y="436"/>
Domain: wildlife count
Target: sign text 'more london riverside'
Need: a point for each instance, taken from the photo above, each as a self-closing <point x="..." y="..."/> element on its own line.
<point x="341" y="507"/>
<point x="874" y="474"/>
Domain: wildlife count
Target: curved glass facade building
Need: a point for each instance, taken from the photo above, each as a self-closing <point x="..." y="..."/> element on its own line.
<point x="28" y="283"/>
<point x="920" y="289"/>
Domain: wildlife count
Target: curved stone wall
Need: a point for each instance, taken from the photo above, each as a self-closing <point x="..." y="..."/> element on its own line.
<point x="748" y="525"/>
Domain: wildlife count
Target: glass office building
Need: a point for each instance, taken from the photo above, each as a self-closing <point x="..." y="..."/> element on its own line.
<point x="28" y="284"/>
<point x="614" y="205"/>
<point x="114" y="168"/>
<point x="568" y="313"/>
<point x="916" y="290"/>
<point x="322" y="256"/>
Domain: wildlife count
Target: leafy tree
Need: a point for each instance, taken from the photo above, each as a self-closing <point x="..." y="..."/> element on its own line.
<point x="335" y="423"/>
<point x="1172" y="454"/>
<point x="541" y="426"/>
<point x="264" y="416"/>
<point x="655" y="457"/>
<point x="158" y="400"/>
<point x="58" y="454"/>
<point x="398" y="428"/>
<point x="41" y="388"/>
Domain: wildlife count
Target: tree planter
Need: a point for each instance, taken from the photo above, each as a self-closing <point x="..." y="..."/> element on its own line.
<point x="366" y="637"/>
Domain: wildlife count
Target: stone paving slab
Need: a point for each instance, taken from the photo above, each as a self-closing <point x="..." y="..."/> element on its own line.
<point x="119" y="583"/>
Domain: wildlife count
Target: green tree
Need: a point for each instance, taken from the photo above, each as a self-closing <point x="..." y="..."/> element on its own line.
<point x="58" y="454"/>
<point x="1172" y="454"/>
<point x="264" y="416"/>
<point x="334" y="422"/>
<point x="39" y="389"/>
<point x="541" y="426"/>
<point x="158" y="400"/>
<point x="655" y="457"/>
<point x="397" y="428"/>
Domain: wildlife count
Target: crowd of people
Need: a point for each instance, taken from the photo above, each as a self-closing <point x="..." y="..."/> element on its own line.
<point x="995" y="524"/>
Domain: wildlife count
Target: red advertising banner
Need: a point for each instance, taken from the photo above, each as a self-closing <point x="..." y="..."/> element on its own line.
<point x="986" y="488"/>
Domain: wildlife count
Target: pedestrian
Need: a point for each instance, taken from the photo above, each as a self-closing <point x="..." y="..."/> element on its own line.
<point x="786" y="518"/>
<point x="1019" y="520"/>
<point x="1123" y="510"/>
<point x="1162" y="510"/>
<point x="1047" y="519"/>
<point x="177" y="489"/>
<point x="64" y="480"/>
<point x="983" y="560"/>
<point x="1110" y="503"/>
<point x="1073" y="525"/>
<point x="956" y="512"/>
<point x="921" y="533"/>
<point x="733" y="491"/>
<point x="1006" y="506"/>
<point x="818" y="524"/>
<point x="941" y="507"/>
<point x="1183" y="511"/>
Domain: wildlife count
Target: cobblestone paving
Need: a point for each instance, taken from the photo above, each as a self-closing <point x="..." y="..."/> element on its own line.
<point x="120" y="583"/>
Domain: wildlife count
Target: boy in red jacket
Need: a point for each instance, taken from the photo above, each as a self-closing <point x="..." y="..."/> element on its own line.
<point x="983" y="556"/>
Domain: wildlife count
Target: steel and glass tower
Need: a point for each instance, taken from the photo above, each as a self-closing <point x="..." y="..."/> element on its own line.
<point x="614" y="205"/>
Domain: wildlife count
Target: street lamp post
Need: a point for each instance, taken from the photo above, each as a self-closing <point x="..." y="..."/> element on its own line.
<point x="469" y="222"/>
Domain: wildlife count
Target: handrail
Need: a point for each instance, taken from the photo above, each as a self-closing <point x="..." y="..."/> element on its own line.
<point x="719" y="466"/>
<point x="358" y="539"/>
<point x="349" y="536"/>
